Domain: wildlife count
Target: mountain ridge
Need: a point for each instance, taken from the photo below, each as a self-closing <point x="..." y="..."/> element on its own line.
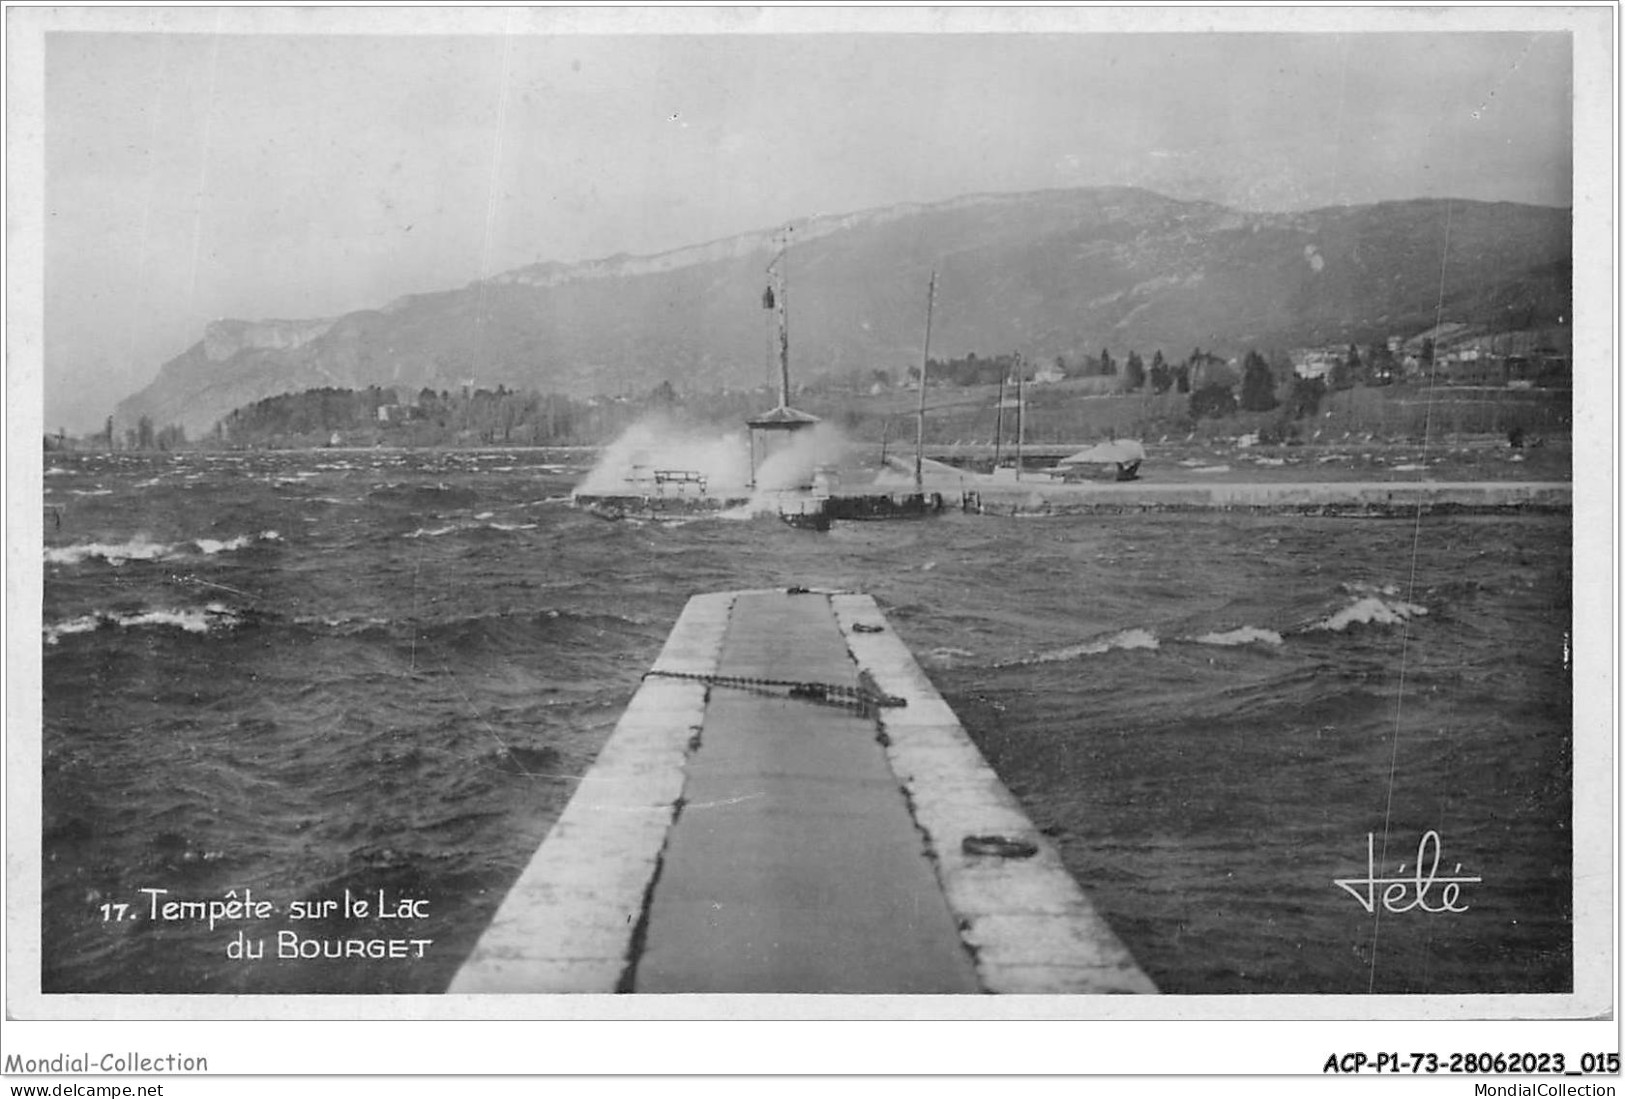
<point x="1056" y="272"/>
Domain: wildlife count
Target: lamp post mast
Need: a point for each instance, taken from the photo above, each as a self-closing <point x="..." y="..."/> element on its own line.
<point x="919" y="427"/>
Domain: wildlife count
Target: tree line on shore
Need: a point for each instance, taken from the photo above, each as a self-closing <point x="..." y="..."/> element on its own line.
<point x="1205" y="386"/>
<point x="144" y="435"/>
<point x="1376" y="365"/>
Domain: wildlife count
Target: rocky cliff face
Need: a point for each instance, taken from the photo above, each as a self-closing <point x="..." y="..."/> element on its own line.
<point x="1051" y="273"/>
<point x="224" y="338"/>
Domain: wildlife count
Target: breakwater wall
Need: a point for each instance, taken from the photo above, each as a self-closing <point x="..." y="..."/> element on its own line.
<point x="1375" y="498"/>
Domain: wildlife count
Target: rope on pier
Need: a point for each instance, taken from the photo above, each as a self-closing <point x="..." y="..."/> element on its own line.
<point x="864" y="696"/>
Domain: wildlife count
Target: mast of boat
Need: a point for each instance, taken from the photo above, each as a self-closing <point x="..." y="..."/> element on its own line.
<point x="925" y="358"/>
<point x="1021" y="412"/>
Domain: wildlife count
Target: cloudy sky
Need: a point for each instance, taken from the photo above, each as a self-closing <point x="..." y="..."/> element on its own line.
<point x="256" y="164"/>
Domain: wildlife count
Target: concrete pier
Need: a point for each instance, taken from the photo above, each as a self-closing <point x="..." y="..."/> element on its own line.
<point x="794" y="865"/>
<point x="789" y="806"/>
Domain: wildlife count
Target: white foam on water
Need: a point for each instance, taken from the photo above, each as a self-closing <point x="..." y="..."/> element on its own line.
<point x="1369" y="610"/>
<point x="137" y="549"/>
<point x="423" y="532"/>
<point x="210" y="546"/>
<point x="190" y="619"/>
<point x="1245" y="635"/>
<point x="83" y="624"/>
<point x="1127" y="640"/>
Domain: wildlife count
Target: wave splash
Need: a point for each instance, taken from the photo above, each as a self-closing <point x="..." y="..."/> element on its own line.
<point x="141" y="548"/>
<point x="1126" y="639"/>
<point x="1373" y="611"/>
<point x="210" y="547"/>
<point x="213" y="616"/>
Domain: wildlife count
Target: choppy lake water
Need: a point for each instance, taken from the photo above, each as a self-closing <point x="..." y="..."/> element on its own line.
<point x="311" y="674"/>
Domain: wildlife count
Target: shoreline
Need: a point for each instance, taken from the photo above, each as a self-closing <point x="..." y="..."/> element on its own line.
<point x="1189" y="473"/>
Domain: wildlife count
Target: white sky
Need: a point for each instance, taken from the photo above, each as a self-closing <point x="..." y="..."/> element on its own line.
<point x="232" y="171"/>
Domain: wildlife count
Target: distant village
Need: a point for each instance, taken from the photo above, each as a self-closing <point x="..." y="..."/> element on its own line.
<point x="1451" y="354"/>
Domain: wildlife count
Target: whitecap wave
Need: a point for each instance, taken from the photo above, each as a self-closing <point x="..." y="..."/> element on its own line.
<point x="137" y="549"/>
<point x="190" y="619"/>
<point x="1245" y="635"/>
<point x="1369" y="610"/>
<point x="1127" y="639"/>
<point x="142" y="549"/>
<point x="424" y="532"/>
<point x="83" y="624"/>
<point x="210" y="546"/>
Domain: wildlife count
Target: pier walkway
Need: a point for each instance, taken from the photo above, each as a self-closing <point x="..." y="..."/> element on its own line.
<point x="794" y="864"/>
<point x="788" y="806"/>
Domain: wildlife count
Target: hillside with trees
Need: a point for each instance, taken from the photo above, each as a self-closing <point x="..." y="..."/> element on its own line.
<point x="1056" y="274"/>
